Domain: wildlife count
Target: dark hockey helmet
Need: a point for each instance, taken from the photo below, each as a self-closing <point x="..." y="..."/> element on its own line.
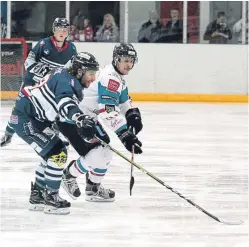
<point x="84" y="61"/>
<point x="124" y="50"/>
<point x="60" y="23"/>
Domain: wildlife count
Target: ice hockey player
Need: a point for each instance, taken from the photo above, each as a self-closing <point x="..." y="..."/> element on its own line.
<point x="36" y="107"/>
<point x="49" y="53"/>
<point x="107" y="96"/>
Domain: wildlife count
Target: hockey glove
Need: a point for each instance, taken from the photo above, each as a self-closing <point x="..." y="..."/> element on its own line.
<point x="134" y="121"/>
<point x="86" y="125"/>
<point x="6" y="139"/>
<point x="101" y="133"/>
<point x="129" y="139"/>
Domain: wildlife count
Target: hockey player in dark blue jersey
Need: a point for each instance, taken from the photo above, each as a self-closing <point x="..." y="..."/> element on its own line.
<point x="48" y="53"/>
<point x="57" y="94"/>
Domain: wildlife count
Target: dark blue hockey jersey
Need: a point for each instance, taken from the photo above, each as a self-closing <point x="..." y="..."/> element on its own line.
<point x="44" y="54"/>
<point x="57" y="93"/>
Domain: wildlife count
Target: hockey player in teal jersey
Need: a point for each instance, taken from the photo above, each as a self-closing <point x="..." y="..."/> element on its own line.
<point x="57" y="94"/>
<point x="48" y="53"/>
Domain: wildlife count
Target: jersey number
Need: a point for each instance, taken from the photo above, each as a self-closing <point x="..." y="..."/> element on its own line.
<point x="40" y="70"/>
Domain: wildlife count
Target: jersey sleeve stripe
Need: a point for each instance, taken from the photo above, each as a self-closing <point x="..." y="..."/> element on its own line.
<point x="39" y="108"/>
<point x="44" y="60"/>
<point x="49" y="98"/>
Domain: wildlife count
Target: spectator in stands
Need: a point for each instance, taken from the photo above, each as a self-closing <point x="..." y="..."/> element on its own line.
<point x="79" y="17"/>
<point x="108" y="32"/>
<point x="217" y="32"/>
<point x="73" y="34"/>
<point x="86" y="33"/>
<point x="174" y="27"/>
<point x="237" y="29"/>
<point x="150" y="30"/>
<point x="3" y="29"/>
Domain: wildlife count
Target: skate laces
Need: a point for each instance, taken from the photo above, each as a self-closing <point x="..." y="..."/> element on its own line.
<point x="57" y="197"/>
<point x="102" y="191"/>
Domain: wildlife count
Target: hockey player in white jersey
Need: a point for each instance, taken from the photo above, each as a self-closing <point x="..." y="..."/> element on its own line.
<point x="107" y="97"/>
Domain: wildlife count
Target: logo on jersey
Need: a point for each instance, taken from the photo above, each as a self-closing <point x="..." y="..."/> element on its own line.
<point x="14" y="119"/>
<point x="46" y="51"/>
<point x="113" y="85"/>
<point x="109" y="108"/>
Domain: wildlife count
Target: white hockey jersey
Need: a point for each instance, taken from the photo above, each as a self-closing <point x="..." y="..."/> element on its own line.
<point x="107" y="97"/>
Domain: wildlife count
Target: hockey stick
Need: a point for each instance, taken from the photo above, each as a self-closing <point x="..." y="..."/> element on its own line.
<point x="236" y="222"/>
<point x="132" y="180"/>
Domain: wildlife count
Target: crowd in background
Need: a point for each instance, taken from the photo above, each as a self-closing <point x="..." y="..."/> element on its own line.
<point x="81" y="29"/>
<point x="155" y="30"/>
<point x="217" y="32"/>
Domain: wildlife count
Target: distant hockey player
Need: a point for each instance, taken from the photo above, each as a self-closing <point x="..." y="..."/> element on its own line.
<point x="49" y="53"/>
<point x="36" y="108"/>
<point x="108" y="97"/>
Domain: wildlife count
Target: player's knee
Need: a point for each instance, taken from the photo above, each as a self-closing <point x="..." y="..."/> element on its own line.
<point x="59" y="159"/>
<point x="58" y="155"/>
<point x="108" y="154"/>
<point x="102" y="156"/>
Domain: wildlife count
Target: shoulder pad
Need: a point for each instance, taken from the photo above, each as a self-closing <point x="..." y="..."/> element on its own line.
<point x="44" y="41"/>
<point x="73" y="45"/>
<point x="111" y="83"/>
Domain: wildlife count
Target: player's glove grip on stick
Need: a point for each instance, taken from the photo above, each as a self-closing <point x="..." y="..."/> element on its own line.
<point x="101" y="133"/>
<point x="129" y="139"/>
<point x="86" y="125"/>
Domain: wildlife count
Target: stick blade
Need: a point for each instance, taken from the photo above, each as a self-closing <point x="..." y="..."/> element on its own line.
<point x="232" y="222"/>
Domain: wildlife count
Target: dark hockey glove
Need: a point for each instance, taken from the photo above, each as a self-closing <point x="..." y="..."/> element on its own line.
<point x="6" y="139"/>
<point x="101" y="133"/>
<point x="134" y="120"/>
<point x="86" y="125"/>
<point x="129" y="139"/>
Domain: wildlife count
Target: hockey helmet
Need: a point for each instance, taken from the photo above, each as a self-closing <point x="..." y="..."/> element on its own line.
<point x="84" y="61"/>
<point x="124" y="50"/>
<point x="60" y="23"/>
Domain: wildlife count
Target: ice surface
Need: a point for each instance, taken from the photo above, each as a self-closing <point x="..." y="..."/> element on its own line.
<point x="201" y="150"/>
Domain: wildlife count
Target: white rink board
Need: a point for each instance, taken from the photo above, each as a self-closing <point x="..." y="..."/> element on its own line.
<point x="198" y="149"/>
<point x="163" y="68"/>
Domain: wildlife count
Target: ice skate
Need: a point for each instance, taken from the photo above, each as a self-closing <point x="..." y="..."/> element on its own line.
<point x="97" y="193"/>
<point x="36" y="199"/>
<point x="70" y="184"/>
<point x="54" y="204"/>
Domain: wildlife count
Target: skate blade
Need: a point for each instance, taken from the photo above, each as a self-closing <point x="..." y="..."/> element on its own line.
<point x="98" y="199"/>
<point x="56" y="211"/>
<point x="36" y="207"/>
<point x="65" y="188"/>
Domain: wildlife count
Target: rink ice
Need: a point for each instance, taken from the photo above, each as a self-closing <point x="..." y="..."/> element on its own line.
<point x="201" y="150"/>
